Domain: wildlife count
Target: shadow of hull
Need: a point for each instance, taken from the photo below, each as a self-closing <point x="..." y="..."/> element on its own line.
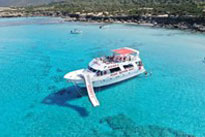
<point x="64" y="96"/>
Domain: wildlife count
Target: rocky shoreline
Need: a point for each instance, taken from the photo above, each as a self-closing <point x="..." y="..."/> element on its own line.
<point x="164" y="21"/>
<point x="183" y="23"/>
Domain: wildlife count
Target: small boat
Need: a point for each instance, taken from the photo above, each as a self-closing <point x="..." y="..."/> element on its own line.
<point x="125" y="63"/>
<point x="76" y="31"/>
<point x="104" y="27"/>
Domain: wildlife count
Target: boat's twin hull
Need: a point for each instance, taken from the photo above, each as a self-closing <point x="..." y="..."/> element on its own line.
<point x="109" y="80"/>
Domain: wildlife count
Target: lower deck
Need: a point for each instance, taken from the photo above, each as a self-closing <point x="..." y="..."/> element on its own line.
<point x="99" y="81"/>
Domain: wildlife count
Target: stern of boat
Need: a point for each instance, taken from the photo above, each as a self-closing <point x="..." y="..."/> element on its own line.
<point x="76" y="77"/>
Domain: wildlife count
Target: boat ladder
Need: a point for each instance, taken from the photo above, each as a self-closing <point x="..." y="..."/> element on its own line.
<point x="90" y="90"/>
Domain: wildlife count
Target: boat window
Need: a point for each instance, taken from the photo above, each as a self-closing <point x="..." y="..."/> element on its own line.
<point x="101" y="73"/>
<point x="114" y="70"/>
<point x="128" y="66"/>
<point x="105" y="72"/>
<point x="91" y="69"/>
<point x="98" y="73"/>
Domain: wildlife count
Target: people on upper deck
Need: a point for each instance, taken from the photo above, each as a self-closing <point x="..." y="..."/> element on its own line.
<point x="115" y="58"/>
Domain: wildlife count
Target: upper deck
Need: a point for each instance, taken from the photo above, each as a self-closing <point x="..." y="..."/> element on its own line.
<point x="120" y="57"/>
<point x="125" y="51"/>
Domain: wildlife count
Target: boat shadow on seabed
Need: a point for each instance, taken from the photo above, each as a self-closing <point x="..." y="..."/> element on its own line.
<point x="63" y="96"/>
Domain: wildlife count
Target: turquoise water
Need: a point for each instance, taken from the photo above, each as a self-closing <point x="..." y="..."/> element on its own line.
<point x="35" y="100"/>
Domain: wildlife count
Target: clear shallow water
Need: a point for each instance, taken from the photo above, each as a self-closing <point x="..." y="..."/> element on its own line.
<point x="35" y="100"/>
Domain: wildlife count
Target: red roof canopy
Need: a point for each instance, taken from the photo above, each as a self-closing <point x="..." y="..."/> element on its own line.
<point x="124" y="51"/>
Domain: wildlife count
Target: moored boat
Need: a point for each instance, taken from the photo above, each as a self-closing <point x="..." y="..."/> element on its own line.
<point x="76" y="31"/>
<point x="125" y="63"/>
<point x="104" y="26"/>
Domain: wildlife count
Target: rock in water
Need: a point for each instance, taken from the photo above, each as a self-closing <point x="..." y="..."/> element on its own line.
<point x="123" y="126"/>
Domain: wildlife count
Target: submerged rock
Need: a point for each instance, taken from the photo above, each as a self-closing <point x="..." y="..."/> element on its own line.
<point x="57" y="79"/>
<point x="29" y="115"/>
<point x="59" y="70"/>
<point x="121" y="125"/>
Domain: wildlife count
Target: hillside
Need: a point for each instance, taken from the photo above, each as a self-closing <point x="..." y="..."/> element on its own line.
<point x="125" y="7"/>
<point x="92" y="2"/>
<point x="183" y="14"/>
<point x="25" y="2"/>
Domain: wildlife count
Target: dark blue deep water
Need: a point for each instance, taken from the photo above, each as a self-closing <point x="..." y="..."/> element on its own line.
<point x="35" y="100"/>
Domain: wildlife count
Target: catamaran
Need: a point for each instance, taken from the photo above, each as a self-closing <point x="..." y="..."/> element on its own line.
<point x="125" y="63"/>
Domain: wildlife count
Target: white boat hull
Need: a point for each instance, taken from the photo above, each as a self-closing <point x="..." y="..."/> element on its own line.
<point x="109" y="80"/>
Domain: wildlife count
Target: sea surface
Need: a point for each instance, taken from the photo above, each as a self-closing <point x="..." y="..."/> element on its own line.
<point x="35" y="100"/>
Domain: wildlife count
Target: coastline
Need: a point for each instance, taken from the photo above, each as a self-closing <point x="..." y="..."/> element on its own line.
<point x="196" y="24"/>
<point x="181" y="23"/>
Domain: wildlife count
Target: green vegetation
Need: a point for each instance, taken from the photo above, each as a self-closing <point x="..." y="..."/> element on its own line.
<point x="126" y="7"/>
